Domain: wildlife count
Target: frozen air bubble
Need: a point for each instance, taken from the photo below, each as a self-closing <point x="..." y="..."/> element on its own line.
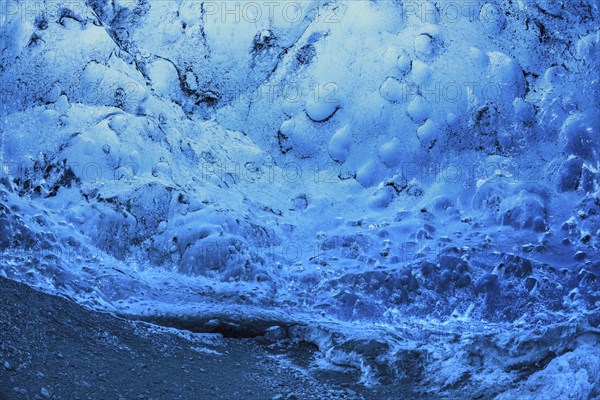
<point x="390" y="152"/>
<point x="367" y="174"/>
<point x="339" y="145"/>
<point x="383" y="197"/>
<point x="588" y="47"/>
<point x="52" y="94"/>
<point x="524" y="111"/>
<point x="291" y="137"/>
<point x="492" y="18"/>
<point x="418" y="109"/>
<point x="62" y="104"/>
<point x="507" y="73"/>
<point x="428" y="133"/>
<point x="404" y="63"/>
<point x="163" y="75"/>
<point x="424" y="46"/>
<point x="421" y="72"/>
<point x="191" y="81"/>
<point x="322" y="109"/>
<point x="452" y="120"/>
<point x="555" y="75"/>
<point x="479" y="58"/>
<point x="569" y="175"/>
<point x="393" y="90"/>
<point x="577" y="137"/>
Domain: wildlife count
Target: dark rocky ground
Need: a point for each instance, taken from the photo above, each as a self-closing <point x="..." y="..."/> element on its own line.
<point x="53" y="348"/>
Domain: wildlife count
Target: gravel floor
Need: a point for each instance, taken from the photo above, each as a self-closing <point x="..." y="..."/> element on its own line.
<point x="52" y="348"/>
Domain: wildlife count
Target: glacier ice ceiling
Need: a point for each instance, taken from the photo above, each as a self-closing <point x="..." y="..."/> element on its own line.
<point x="413" y="187"/>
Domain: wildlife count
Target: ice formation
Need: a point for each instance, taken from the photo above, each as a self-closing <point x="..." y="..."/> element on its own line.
<point x="412" y="186"/>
